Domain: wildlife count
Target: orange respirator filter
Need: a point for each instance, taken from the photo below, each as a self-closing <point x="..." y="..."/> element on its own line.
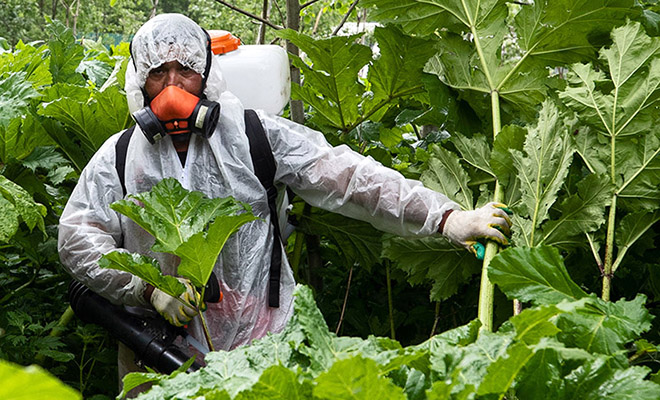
<point x="173" y="107"/>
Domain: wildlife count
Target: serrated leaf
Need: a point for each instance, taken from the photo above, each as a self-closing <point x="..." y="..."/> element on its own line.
<point x="546" y="33"/>
<point x="533" y="324"/>
<point x="504" y="370"/>
<point x="200" y="252"/>
<point x="359" y="241"/>
<point x="581" y="212"/>
<point x="630" y="229"/>
<point x="65" y="54"/>
<point x="8" y="220"/>
<point x="446" y="175"/>
<point x="432" y="260"/>
<point x="30" y="212"/>
<point x="475" y="151"/>
<point x="598" y="380"/>
<point x="15" y="95"/>
<point x="144" y="267"/>
<point x="398" y="70"/>
<point x="277" y="382"/>
<point x="355" y="378"/>
<point x="542" y="167"/>
<point x="604" y="327"/>
<point x="17" y="382"/>
<point x="534" y="274"/>
<point x="92" y="116"/>
<point x="172" y="214"/>
<point x="511" y="137"/>
<point x="44" y="157"/>
<point x="336" y="62"/>
<point x="625" y="114"/>
<point x="29" y="59"/>
<point x="95" y="70"/>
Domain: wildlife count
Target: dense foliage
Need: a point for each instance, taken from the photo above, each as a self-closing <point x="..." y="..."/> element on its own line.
<point x="550" y="107"/>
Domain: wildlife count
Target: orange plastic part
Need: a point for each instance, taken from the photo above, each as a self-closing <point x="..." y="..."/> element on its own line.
<point x="175" y="105"/>
<point x="223" y="42"/>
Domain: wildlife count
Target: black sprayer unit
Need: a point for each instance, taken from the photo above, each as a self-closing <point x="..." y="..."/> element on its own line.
<point x="149" y="336"/>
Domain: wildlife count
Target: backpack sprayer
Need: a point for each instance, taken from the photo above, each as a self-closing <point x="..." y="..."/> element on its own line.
<point x="259" y="76"/>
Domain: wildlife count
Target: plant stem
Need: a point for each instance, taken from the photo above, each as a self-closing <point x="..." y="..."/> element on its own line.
<point x="297" y="253"/>
<point x="389" y="298"/>
<point x="343" y="308"/>
<point x="609" y="252"/>
<point x="487" y="289"/>
<point x="435" y="320"/>
<point x="207" y="334"/>
<point x="206" y="330"/>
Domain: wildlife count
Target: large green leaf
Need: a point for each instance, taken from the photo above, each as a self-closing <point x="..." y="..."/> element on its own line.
<point x="183" y="223"/>
<point x="534" y="274"/>
<point x="398" y="69"/>
<point x="355" y="378"/>
<point x="336" y="62"/>
<point x="92" y="116"/>
<point x="172" y="214"/>
<point x="30" y="60"/>
<point x="471" y="56"/>
<point x="200" y="252"/>
<point x="359" y="241"/>
<point x="538" y="275"/>
<point x="432" y="260"/>
<point x="598" y="380"/>
<point x="15" y="95"/>
<point x="582" y="212"/>
<point x="630" y="229"/>
<point x="146" y="268"/>
<point x="625" y="114"/>
<point x="277" y="383"/>
<point x="18" y="205"/>
<point x="18" y="382"/>
<point x="542" y="168"/>
<point x="65" y="54"/>
<point x="475" y="151"/>
<point x="446" y="175"/>
<point x="603" y="327"/>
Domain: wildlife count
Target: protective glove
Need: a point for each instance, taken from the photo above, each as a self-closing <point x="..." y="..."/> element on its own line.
<point x="174" y="311"/>
<point x="490" y="222"/>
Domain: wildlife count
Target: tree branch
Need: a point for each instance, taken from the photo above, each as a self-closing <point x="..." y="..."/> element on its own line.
<point x="343" y="21"/>
<point x="309" y="3"/>
<point x="249" y="14"/>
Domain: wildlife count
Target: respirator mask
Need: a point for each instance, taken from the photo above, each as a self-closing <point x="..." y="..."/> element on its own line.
<point x="178" y="113"/>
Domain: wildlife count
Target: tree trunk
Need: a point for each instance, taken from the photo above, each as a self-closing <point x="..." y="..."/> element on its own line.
<point x="293" y="22"/>
<point x="53" y="9"/>
<point x="154" y="9"/>
<point x="261" y="36"/>
<point x="75" y="17"/>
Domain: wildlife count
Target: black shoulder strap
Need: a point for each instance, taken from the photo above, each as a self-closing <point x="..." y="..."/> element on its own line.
<point x="121" y="148"/>
<point x="264" y="168"/>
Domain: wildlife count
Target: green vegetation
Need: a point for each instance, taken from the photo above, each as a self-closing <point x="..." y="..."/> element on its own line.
<point x="550" y="107"/>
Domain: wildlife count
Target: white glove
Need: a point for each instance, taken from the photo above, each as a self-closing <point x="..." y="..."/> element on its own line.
<point x="491" y="222"/>
<point x="177" y="311"/>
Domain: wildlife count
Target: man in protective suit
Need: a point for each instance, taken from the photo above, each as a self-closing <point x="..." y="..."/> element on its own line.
<point x="171" y="60"/>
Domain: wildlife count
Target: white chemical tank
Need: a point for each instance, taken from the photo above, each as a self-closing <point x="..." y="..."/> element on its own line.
<point x="257" y="74"/>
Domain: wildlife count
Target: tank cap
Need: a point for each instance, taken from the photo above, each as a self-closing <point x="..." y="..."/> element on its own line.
<point x="223" y="42"/>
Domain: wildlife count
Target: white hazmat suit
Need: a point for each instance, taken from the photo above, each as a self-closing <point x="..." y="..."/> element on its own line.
<point x="333" y="178"/>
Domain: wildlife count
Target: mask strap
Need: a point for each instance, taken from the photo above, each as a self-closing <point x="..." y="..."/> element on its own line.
<point x="209" y="58"/>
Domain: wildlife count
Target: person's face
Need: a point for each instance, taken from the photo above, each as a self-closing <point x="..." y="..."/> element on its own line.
<point x="173" y="73"/>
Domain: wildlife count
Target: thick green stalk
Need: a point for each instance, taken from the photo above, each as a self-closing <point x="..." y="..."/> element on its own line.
<point x="609" y="252"/>
<point x="487" y="289"/>
<point x="609" y="240"/>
